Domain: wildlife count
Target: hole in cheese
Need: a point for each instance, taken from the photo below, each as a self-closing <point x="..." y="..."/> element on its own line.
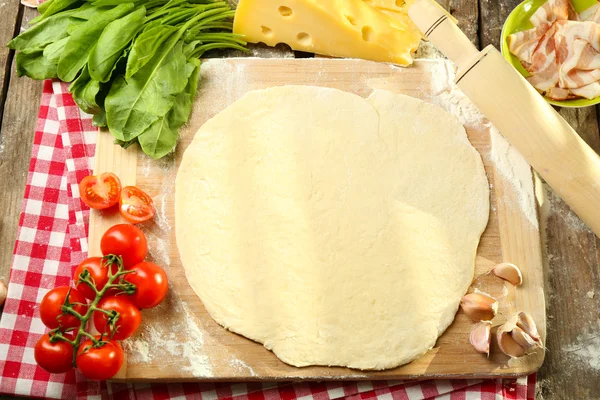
<point x="285" y="11"/>
<point x="304" y="39"/>
<point x="350" y="19"/>
<point x="367" y="33"/>
<point x="400" y="3"/>
<point x="266" y="31"/>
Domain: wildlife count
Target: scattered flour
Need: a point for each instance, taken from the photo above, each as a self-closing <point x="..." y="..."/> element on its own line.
<point x="590" y="294"/>
<point x="586" y="349"/>
<point x="241" y="366"/>
<point x="152" y="344"/>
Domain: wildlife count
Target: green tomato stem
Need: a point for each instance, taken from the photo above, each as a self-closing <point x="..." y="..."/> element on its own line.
<point x="93" y="306"/>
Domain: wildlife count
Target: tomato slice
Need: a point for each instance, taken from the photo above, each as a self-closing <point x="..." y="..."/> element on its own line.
<point x="100" y="191"/>
<point x="135" y="205"/>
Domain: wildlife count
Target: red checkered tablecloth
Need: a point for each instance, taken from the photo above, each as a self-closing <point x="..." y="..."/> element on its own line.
<point x="52" y="240"/>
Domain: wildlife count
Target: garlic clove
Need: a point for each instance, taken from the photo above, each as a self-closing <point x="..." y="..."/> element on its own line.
<point x="480" y="337"/>
<point x="30" y="3"/>
<point x="523" y="339"/>
<point x="526" y="323"/>
<point x="509" y="272"/>
<point x="3" y="292"/>
<point x="508" y="345"/>
<point x="479" y="306"/>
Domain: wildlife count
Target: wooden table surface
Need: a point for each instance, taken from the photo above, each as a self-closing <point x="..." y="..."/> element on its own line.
<point x="571" y="251"/>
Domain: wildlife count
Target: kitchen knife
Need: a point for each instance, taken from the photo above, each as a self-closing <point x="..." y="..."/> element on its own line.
<point x="521" y="114"/>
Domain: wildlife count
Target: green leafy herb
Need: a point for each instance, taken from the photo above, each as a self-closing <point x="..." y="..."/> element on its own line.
<point x="77" y="50"/>
<point x="112" y="42"/>
<point x="32" y="63"/>
<point x="40" y="35"/>
<point x="51" y="7"/>
<point x="133" y="64"/>
<point x="84" y="90"/>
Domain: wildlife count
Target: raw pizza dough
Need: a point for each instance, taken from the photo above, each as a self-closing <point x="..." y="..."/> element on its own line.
<point x="334" y="229"/>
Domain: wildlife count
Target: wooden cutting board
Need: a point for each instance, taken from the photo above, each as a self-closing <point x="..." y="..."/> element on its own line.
<point x="178" y="341"/>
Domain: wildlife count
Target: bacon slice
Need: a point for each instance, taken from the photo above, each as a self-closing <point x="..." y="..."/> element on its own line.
<point x="590" y="91"/>
<point x="590" y="14"/>
<point x="551" y="11"/>
<point x="556" y="93"/>
<point x="561" y="51"/>
<point x="544" y="67"/>
<point x="522" y="44"/>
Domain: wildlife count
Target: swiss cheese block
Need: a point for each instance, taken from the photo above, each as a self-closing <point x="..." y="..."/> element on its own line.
<point x="341" y="28"/>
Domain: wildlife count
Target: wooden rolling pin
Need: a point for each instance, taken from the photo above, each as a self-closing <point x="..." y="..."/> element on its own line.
<point x="521" y="114"/>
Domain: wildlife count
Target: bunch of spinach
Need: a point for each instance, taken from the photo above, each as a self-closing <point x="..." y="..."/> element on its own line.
<point x="134" y="64"/>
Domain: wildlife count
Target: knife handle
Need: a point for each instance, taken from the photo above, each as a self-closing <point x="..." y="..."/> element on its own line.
<point x="540" y="134"/>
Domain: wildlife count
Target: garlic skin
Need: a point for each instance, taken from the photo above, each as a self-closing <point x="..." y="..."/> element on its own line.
<point x="3" y="292"/>
<point x="509" y="272"/>
<point x="479" y="306"/>
<point x="481" y="336"/>
<point x="514" y="338"/>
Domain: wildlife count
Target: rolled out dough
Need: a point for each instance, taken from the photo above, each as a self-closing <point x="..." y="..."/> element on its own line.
<point x="335" y="230"/>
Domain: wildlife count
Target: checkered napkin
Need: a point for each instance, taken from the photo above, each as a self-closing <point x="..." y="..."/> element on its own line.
<point x="52" y="241"/>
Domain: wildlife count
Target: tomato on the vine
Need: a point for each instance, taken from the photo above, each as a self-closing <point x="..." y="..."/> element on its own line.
<point x="99" y="362"/>
<point x="129" y="319"/>
<point x="100" y="191"/>
<point x="54" y="355"/>
<point x="135" y="205"/>
<point x="151" y="284"/>
<point x="127" y="241"/>
<point x="97" y="269"/>
<point x="51" y="307"/>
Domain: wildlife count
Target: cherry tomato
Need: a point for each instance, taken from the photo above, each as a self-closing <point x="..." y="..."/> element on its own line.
<point x="127" y="241"/>
<point x="101" y="191"/>
<point x="99" y="362"/>
<point x="129" y="320"/>
<point x="51" y="307"/>
<point x="98" y="272"/>
<point x="55" y="356"/>
<point x="135" y="205"/>
<point x="151" y="284"/>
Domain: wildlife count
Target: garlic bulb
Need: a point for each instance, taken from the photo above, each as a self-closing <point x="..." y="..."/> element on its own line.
<point x="517" y="336"/>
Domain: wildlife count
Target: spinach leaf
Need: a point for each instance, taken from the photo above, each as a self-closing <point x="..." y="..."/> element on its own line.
<point x="54" y="7"/>
<point x="77" y="49"/>
<point x="132" y="106"/>
<point x="40" y="35"/>
<point x="161" y="137"/>
<point x="145" y="47"/>
<point x="84" y="90"/>
<point x="112" y="42"/>
<point x="32" y="63"/>
<point x="99" y="120"/>
<point x="53" y="51"/>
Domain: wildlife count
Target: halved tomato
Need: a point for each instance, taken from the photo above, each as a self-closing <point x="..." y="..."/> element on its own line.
<point x="135" y="205"/>
<point x="100" y="191"/>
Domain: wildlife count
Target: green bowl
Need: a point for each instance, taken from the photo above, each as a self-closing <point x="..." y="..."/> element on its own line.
<point x="517" y="21"/>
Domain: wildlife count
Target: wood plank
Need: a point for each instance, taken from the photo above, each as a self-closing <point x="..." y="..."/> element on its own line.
<point x="572" y="282"/>
<point x="493" y="15"/>
<point x="467" y="14"/>
<point x="173" y="327"/>
<point x="16" y="137"/>
<point x="10" y="22"/>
